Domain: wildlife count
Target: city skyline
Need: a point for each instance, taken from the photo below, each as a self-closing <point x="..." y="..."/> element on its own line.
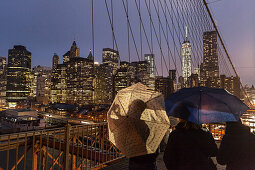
<point x="46" y="32"/>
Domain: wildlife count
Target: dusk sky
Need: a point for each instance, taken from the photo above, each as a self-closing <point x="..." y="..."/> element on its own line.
<point x="46" y="27"/>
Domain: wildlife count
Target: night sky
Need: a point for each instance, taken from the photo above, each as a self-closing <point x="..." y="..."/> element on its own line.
<point x="46" y="27"/>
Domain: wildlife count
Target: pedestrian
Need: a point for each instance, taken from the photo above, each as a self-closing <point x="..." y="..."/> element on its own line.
<point x="189" y="147"/>
<point x="237" y="148"/>
<point x="144" y="162"/>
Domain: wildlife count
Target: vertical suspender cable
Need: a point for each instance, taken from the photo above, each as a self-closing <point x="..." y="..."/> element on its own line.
<point x="112" y="24"/>
<point x="129" y="60"/>
<point x="141" y="38"/>
<point x="93" y="33"/>
<point x="224" y="47"/>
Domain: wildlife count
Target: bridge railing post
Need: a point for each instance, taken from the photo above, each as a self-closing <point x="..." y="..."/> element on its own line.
<point x="66" y="150"/>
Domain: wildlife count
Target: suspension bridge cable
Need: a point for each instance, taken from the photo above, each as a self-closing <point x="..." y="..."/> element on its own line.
<point x="226" y="52"/>
<point x="111" y="24"/>
<point x="146" y="36"/>
<point x="131" y="31"/>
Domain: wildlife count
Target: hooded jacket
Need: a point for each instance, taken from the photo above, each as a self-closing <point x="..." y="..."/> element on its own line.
<point x="237" y="149"/>
<point x="190" y="150"/>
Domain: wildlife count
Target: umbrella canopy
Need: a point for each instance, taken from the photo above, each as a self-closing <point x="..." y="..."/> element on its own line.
<point x="205" y="105"/>
<point x="137" y="120"/>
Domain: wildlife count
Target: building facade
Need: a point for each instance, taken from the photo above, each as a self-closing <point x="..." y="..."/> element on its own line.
<point x="231" y="84"/>
<point x="111" y="57"/>
<point x="72" y="81"/>
<point x="210" y="67"/>
<point x="2" y="81"/>
<point x="150" y="59"/>
<point x="18" y="75"/>
<point x="122" y="79"/>
<point x="41" y="84"/>
<point x="79" y="79"/>
<point x="140" y="72"/>
<point x="55" y="61"/>
<point x="162" y="85"/>
<point x="186" y="60"/>
<point x="58" y="92"/>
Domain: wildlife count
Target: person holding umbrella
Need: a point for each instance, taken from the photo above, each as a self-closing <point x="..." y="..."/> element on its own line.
<point x="189" y="147"/>
<point x="137" y="123"/>
<point x="237" y="149"/>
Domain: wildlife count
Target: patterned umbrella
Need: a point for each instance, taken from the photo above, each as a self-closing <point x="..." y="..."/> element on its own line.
<point x="137" y="120"/>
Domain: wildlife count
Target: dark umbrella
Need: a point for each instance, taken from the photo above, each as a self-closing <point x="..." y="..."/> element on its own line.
<point x="205" y="105"/>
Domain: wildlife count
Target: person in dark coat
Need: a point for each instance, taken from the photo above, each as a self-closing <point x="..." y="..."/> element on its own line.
<point x="144" y="162"/>
<point x="190" y="148"/>
<point x="237" y="149"/>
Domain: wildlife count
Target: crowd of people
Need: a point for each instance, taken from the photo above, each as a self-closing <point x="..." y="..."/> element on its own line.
<point x="190" y="147"/>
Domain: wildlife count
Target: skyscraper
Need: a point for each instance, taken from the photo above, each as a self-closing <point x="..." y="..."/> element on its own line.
<point x="111" y="57"/>
<point x="162" y="85"/>
<point x="18" y="75"/>
<point x="79" y="79"/>
<point x="141" y="70"/>
<point x="2" y="81"/>
<point x="122" y="78"/>
<point x="55" y="61"/>
<point x="41" y="81"/>
<point x="72" y="53"/>
<point x="173" y="81"/>
<point x="58" y="90"/>
<point x="103" y="84"/>
<point x="72" y="81"/>
<point x="186" y="59"/>
<point x="150" y="59"/>
<point x="209" y="68"/>
<point x="110" y="64"/>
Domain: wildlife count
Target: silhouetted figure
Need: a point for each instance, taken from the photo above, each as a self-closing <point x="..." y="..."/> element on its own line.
<point x="148" y="161"/>
<point x="144" y="162"/>
<point x="189" y="147"/>
<point x="237" y="149"/>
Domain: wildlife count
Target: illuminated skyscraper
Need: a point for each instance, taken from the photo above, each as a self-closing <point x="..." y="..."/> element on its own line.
<point x="41" y="81"/>
<point x="58" y="84"/>
<point x="209" y="68"/>
<point x="150" y="59"/>
<point x="55" y="61"/>
<point x="111" y="57"/>
<point x="72" y="53"/>
<point x="72" y="82"/>
<point x="79" y="79"/>
<point x="141" y="70"/>
<point x="186" y="59"/>
<point x="122" y="78"/>
<point x="162" y="85"/>
<point x="231" y="84"/>
<point x="110" y="65"/>
<point x="18" y="75"/>
<point x="103" y="84"/>
<point x="2" y="81"/>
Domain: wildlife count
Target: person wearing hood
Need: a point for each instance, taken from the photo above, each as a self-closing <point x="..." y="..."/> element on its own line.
<point x="189" y="147"/>
<point x="237" y="149"/>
